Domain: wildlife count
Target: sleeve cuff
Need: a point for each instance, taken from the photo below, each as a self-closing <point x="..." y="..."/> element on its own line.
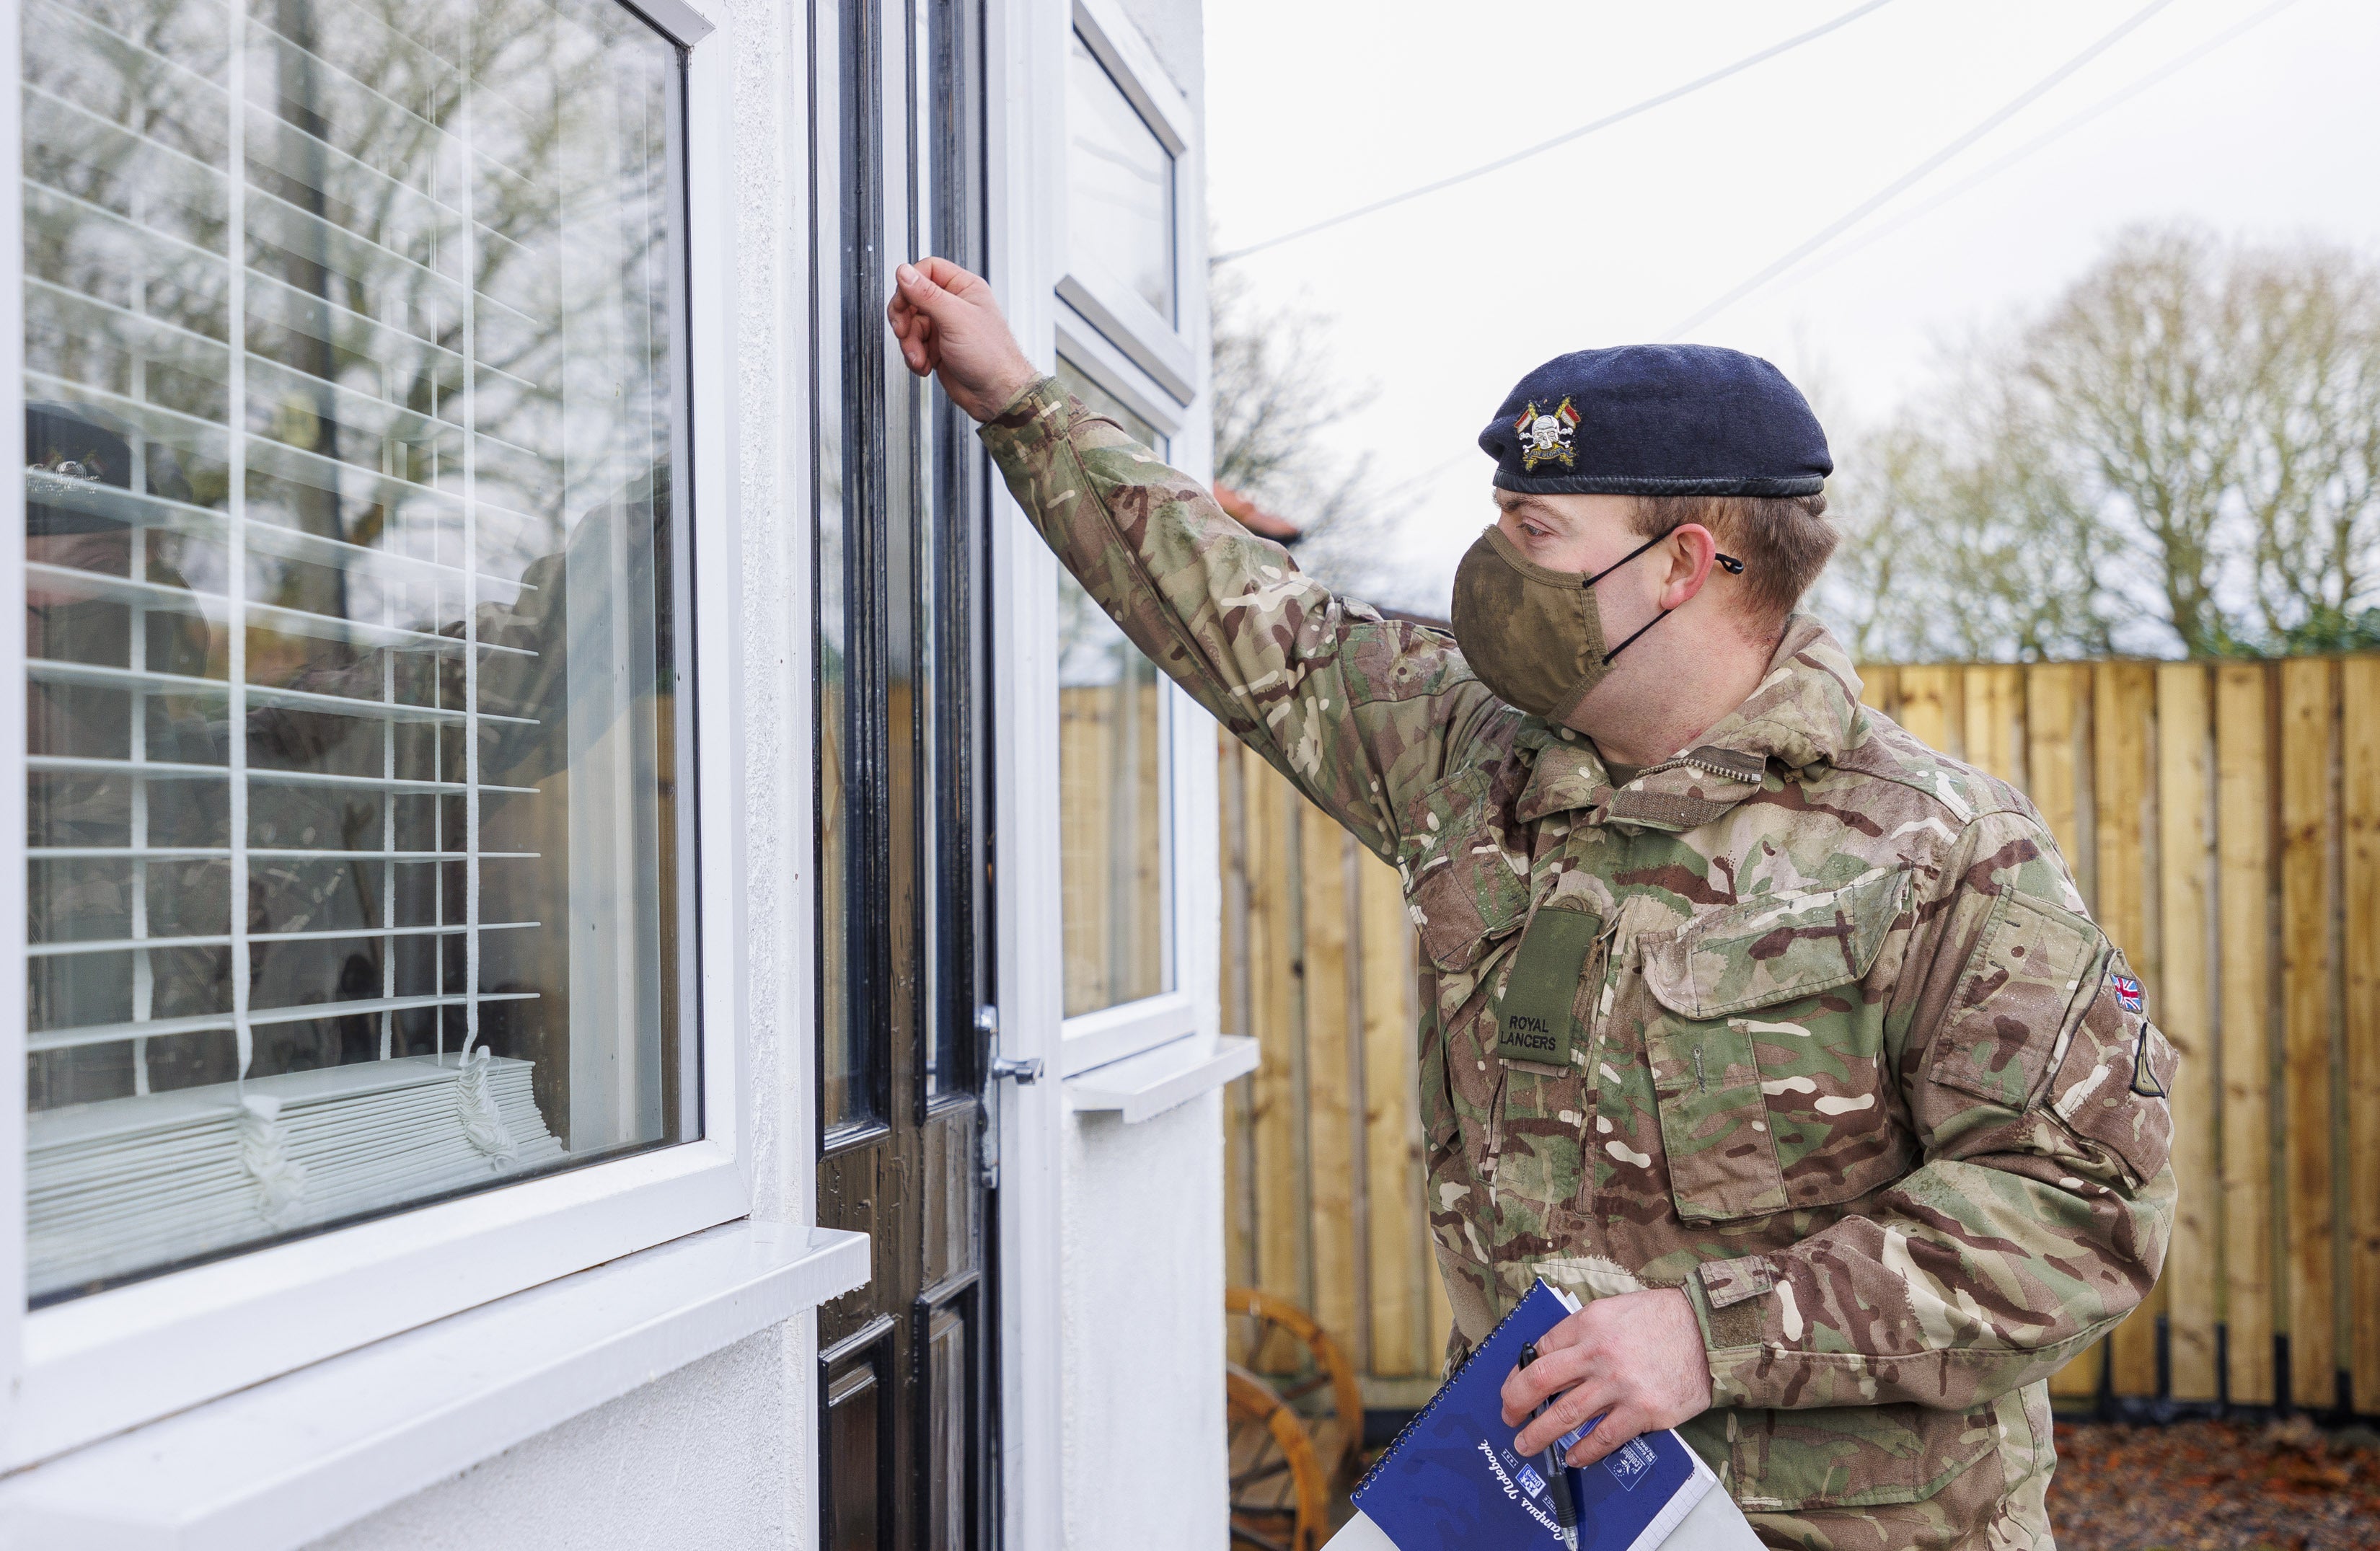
<point x="1729" y="1299"/>
<point x="1038" y="414"/>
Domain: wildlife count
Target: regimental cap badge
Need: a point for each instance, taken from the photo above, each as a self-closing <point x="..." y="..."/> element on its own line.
<point x="1545" y="438"/>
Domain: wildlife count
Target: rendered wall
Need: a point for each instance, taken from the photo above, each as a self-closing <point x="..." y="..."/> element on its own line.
<point x="703" y="1457"/>
<point x="1144" y="1331"/>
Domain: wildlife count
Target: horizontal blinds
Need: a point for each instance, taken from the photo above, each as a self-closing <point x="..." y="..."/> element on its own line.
<point x="142" y="156"/>
<point x="310" y="379"/>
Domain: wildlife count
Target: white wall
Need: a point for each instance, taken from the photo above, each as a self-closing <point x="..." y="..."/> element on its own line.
<point x="704" y="1457"/>
<point x="1145" y="1464"/>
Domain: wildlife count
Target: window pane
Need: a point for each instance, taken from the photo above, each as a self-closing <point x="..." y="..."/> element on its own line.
<point x="1114" y="794"/>
<point x="855" y="1425"/>
<point x="352" y="385"/>
<point x="1119" y="185"/>
<point x="947" y="1417"/>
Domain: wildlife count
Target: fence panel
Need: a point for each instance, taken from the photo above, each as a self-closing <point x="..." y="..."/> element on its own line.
<point x="2223" y="821"/>
<point x="2243" y="845"/>
<point x="2307" y="714"/>
<point x="2185" y="999"/>
<point x="2123" y="723"/>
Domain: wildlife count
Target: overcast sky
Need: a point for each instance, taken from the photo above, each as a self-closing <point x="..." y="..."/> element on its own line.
<point x="1442" y="303"/>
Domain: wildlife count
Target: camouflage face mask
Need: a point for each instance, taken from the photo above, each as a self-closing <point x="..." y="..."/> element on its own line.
<point x="1534" y="635"/>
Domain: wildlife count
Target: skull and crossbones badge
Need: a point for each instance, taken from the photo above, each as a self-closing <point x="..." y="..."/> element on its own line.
<point x="1545" y="438"/>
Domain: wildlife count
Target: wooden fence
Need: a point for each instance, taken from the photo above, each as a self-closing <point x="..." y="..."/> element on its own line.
<point x="1323" y="1145"/>
<point x="2224" y="822"/>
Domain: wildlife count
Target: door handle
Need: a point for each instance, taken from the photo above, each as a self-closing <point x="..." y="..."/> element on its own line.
<point x="1026" y="1070"/>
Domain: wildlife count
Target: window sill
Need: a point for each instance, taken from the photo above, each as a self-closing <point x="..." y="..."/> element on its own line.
<point x="1155" y="1081"/>
<point x="1095" y="1039"/>
<point x="290" y="1460"/>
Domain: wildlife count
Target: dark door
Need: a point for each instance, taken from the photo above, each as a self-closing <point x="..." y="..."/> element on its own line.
<point x="906" y="1362"/>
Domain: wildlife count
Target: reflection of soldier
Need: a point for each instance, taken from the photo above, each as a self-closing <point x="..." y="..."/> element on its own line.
<point x="75" y="533"/>
<point x="84" y="720"/>
<point x="1782" y="1039"/>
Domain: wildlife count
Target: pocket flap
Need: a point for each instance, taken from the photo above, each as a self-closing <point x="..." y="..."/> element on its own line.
<point x="1461" y="885"/>
<point x="2014" y="998"/>
<point x="1772" y="950"/>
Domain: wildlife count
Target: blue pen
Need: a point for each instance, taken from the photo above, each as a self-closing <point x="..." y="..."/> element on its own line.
<point x="1557" y="1474"/>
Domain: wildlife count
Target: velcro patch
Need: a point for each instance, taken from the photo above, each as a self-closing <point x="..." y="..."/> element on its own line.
<point x="2128" y="992"/>
<point x="1533" y="1016"/>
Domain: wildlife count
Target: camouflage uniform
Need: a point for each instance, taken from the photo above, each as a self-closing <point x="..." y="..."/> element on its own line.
<point x="1847" y="1062"/>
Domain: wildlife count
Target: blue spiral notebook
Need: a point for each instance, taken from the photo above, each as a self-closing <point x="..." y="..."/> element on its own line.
<point x="1451" y="1482"/>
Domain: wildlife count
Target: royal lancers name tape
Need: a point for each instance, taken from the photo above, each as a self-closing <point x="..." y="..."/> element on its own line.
<point x="1533" y="1011"/>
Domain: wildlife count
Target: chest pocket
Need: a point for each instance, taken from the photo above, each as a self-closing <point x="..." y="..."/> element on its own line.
<point x="1767" y="1067"/>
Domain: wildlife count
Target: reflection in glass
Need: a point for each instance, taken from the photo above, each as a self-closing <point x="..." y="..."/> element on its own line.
<point x="1114" y="859"/>
<point x="842" y="1065"/>
<point x="854" y="1433"/>
<point x="947" y="1414"/>
<point x="1119" y="185"/>
<point x="351" y="378"/>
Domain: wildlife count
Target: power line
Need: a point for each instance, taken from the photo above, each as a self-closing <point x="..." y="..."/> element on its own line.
<point x="1893" y="190"/>
<point x="2114" y="100"/>
<point x="1564" y="138"/>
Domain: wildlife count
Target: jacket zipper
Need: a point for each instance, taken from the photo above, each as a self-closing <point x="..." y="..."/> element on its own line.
<point x="1691" y="763"/>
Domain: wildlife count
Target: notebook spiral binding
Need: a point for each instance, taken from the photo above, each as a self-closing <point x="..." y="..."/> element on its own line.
<point x="1422" y="1415"/>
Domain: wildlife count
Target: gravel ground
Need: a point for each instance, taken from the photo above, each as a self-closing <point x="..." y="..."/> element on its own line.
<point x="2215" y="1486"/>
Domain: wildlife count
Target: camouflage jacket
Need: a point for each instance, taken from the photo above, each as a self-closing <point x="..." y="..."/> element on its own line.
<point x="1823" y="1037"/>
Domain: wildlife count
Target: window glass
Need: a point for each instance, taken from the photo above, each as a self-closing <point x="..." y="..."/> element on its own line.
<point x="352" y="384"/>
<point x="1114" y="793"/>
<point x="1119" y="185"/>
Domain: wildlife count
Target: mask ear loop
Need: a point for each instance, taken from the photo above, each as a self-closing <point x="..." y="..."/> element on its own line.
<point x="1728" y="563"/>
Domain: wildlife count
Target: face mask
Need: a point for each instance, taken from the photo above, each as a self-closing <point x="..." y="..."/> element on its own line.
<point x="1533" y="635"/>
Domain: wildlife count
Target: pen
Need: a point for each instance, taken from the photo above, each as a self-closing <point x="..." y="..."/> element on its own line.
<point x="1557" y="1474"/>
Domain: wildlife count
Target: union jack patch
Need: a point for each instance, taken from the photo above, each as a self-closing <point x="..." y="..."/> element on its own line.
<point x="2128" y="992"/>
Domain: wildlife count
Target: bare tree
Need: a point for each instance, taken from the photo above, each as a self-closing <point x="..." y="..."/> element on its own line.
<point x="1962" y="540"/>
<point x="1276" y="398"/>
<point x="2311" y="441"/>
<point x="2143" y="386"/>
<point x="2181" y="453"/>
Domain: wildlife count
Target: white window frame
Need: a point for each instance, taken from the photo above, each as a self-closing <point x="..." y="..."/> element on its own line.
<point x="112" y="1361"/>
<point x="1170" y="352"/>
<point x="1108" y="333"/>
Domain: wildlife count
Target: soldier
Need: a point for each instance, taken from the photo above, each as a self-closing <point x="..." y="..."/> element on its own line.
<point x="1780" y="1039"/>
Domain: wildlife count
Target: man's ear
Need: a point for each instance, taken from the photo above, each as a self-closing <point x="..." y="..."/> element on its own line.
<point x="1691" y="552"/>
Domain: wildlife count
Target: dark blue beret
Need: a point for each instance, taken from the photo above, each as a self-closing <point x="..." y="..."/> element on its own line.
<point x="1657" y="419"/>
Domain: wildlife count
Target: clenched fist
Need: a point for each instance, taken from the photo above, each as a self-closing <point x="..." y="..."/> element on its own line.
<point x="1635" y="1360"/>
<point x="947" y="323"/>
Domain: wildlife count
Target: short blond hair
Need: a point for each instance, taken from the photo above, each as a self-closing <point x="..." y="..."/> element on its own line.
<point x="1783" y="541"/>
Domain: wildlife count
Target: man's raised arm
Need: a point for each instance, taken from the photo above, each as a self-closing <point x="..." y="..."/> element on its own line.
<point x="1358" y="711"/>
